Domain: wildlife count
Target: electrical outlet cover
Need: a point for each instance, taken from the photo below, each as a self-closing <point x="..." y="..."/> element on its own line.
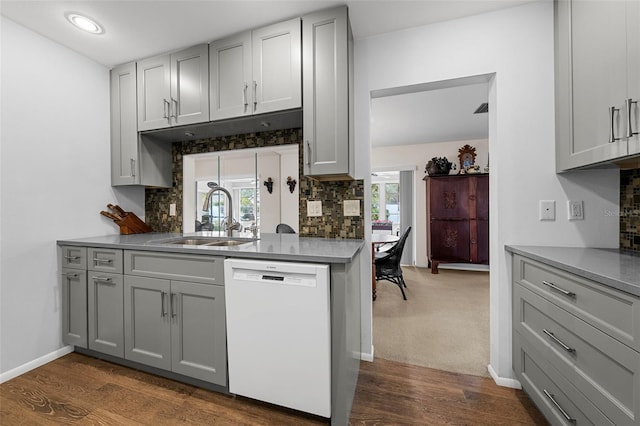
<point x="575" y="210"/>
<point x="547" y="210"/>
<point x="351" y="208"/>
<point x="314" y="208"/>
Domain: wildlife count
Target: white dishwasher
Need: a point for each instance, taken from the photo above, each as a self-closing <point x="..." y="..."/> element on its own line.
<point x="278" y="333"/>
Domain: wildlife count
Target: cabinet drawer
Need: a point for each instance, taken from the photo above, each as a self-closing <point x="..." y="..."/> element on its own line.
<point x="614" y="312"/>
<point x="104" y="260"/>
<point x="74" y="257"/>
<point x="184" y="267"/>
<point x="547" y="387"/>
<point x="606" y="371"/>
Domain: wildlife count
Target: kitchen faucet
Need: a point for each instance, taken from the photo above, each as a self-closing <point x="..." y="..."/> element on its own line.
<point x="230" y="225"/>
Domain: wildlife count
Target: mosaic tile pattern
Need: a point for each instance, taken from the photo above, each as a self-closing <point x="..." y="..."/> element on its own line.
<point x="332" y="223"/>
<point x="630" y="210"/>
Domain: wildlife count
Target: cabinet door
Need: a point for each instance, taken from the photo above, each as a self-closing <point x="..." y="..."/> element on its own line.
<point x="74" y="307"/>
<point x="231" y="85"/>
<point x="154" y="92"/>
<point x="450" y="240"/>
<point x="198" y="331"/>
<point x="277" y="76"/>
<point x="147" y="331"/>
<point x="105" y="300"/>
<point x="449" y="198"/>
<point x="190" y="85"/>
<point x="326" y="93"/>
<point x="124" y="126"/>
<point x="591" y="78"/>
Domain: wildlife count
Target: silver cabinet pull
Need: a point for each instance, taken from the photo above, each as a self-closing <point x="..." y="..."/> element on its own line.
<point x="630" y="131"/>
<point x="173" y="310"/>
<point x="166" y="109"/>
<point x="309" y="153"/>
<point x="102" y="279"/>
<point x="72" y="275"/>
<point x="163" y="313"/>
<point x="255" y="95"/>
<point x="558" y="341"/>
<point x="98" y="260"/>
<point x="244" y="96"/>
<point x="133" y="167"/>
<point x="555" y="287"/>
<point x="564" y="413"/>
<point x="72" y="257"/>
<point x="175" y="110"/>
<point x="612" y="132"/>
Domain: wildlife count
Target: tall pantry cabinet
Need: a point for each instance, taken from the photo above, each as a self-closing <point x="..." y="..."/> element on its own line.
<point x="457" y="219"/>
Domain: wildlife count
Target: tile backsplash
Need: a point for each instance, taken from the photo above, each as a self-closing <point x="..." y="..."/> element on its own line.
<point x="332" y="223"/>
<point x="630" y="210"/>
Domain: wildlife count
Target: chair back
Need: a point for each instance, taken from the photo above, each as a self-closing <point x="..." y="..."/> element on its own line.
<point x="394" y="254"/>
<point x="283" y="228"/>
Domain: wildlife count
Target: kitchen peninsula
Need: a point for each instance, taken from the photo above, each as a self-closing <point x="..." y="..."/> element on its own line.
<point x="170" y="269"/>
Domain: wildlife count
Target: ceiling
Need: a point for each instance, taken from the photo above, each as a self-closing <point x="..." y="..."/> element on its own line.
<point x="143" y="28"/>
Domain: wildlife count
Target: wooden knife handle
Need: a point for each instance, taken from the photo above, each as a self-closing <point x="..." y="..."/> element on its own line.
<point x="109" y="215"/>
<point x="116" y="208"/>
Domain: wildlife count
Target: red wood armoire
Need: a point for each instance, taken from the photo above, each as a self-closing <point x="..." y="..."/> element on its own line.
<point x="457" y="219"/>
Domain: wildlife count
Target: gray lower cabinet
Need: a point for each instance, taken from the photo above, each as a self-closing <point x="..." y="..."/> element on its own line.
<point x="176" y="324"/>
<point x="105" y="309"/>
<point x="74" y="307"/>
<point x="575" y="346"/>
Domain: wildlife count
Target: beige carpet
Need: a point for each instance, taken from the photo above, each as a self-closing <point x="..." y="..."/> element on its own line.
<point x="444" y="324"/>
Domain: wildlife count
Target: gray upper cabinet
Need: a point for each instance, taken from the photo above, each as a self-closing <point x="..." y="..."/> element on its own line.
<point x="173" y="89"/>
<point x="134" y="159"/>
<point x="597" y="81"/>
<point x="327" y="67"/>
<point x="256" y="72"/>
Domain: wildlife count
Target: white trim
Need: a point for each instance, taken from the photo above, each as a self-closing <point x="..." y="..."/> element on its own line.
<point x="24" y="368"/>
<point x="503" y="381"/>
<point x="366" y="356"/>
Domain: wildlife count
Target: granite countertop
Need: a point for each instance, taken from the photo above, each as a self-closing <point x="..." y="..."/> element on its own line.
<point x="611" y="267"/>
<point x="288" y="247"/>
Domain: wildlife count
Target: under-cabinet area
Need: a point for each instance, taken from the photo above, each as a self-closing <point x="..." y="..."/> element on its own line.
<point x="158" y="303"/>
<point x="576" y="341"/>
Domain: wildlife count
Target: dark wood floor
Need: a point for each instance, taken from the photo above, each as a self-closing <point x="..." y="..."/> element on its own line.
<point x="83" y="390"/>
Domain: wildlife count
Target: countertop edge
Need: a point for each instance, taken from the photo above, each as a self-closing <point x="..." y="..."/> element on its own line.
<point x="216" y="251"/>
<point x="565" y="265"/>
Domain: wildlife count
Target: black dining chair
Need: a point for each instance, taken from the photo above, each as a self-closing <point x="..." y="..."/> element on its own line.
<point x="388" y="264"/>
<point x="283" y="228"/>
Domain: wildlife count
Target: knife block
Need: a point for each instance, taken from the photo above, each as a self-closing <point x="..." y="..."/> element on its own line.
<point x="132" y="224"/>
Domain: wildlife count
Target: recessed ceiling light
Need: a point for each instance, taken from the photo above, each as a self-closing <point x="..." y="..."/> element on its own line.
<point x="84" y="23"/>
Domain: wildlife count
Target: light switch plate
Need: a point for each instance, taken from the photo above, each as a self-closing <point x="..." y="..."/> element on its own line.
<point x="172" y="209"/>
<point x="547" y="210"/>
<point x="575" y="210"/>
<point x="314" y="208"/>
<point x="351" y="208"/>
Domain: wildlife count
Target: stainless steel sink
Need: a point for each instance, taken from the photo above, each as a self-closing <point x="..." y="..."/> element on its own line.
<point x="220" y="242"/>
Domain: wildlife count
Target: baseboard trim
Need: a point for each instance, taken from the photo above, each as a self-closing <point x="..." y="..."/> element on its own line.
<point x="503" y="381"/>
<point x="35" y="363"/>
<point x="367" y="356"/>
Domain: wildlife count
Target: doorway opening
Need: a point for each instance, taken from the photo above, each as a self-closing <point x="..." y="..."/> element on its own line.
<point x="444" y="324"/>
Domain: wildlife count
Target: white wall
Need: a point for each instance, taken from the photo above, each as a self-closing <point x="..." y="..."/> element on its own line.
<point x="399" y="157"/>
<point x="517" y="45"/>
<point x="55" y="178"/>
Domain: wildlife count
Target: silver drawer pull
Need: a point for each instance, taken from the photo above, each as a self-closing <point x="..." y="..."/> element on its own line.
<point x="72" y="257"/>
<point x="555" y="287"/>
<point x="102" y="279"/>
<point x="173" y="310"/>
<point x="96" y="260"/>
<point x="162" y="311"/>
<point x="558" y="341"/>
<point x="72" y="275"/>
<point x="564" y="413"/>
